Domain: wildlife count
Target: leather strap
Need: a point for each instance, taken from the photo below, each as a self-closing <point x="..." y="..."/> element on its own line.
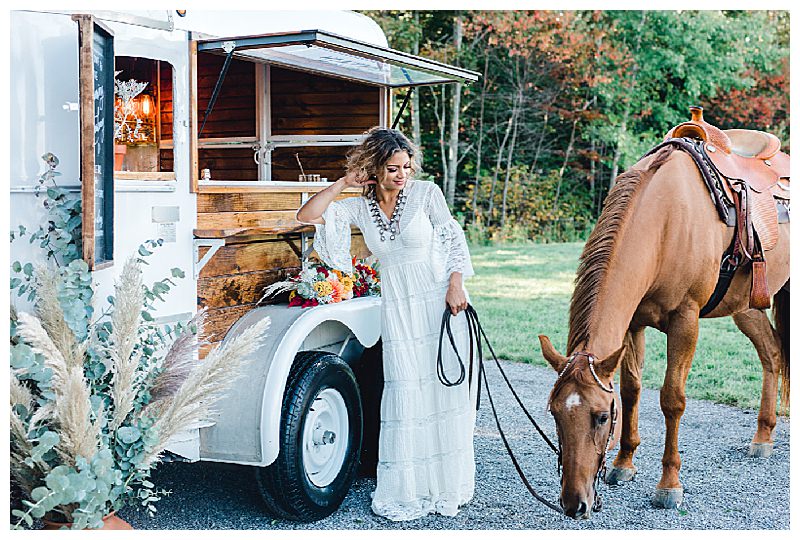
<point x="476" y="332"/>
<point x="727" y="269"/>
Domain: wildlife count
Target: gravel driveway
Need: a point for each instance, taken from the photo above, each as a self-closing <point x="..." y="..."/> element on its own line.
<point x="724" y="489"/>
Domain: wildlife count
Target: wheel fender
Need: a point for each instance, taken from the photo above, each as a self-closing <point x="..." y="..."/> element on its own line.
<point x="248" y="417"/>
<point x="361" y="316"/>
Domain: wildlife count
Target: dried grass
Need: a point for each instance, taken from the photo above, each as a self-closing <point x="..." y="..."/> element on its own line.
<point x="204" y="386"/>
<point x="277" y="288"/>
<point x="30" y="330"/>
<point x="20" y="394"/>
<point x="179" y="361"/>
<point x="51" y="315"/>
<point x="125" y="321"/>
<point x="72" y="407"/>
<point x="79" y="435"/>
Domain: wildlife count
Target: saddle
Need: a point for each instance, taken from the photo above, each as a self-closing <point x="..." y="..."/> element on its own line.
<point x="748" y="176"/>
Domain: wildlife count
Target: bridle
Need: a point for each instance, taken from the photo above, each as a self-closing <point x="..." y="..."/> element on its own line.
<point x="597" y="504"/>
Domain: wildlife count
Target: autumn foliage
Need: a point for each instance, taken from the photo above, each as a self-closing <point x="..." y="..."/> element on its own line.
<point x="569" y="99"/>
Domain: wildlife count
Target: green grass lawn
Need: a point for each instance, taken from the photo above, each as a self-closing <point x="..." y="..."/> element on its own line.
<point x="521" y="291"/>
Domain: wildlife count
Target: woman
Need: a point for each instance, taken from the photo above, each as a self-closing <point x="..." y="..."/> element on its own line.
<point x="425" y="454"/>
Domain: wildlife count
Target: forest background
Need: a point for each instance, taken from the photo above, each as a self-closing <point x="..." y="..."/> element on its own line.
<point x="567" y="100"/>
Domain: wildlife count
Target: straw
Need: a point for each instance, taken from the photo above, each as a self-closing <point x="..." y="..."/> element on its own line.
<point x="297" y="157"/>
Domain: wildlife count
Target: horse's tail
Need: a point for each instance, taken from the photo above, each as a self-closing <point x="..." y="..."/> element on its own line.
<point x="780" y="317"/>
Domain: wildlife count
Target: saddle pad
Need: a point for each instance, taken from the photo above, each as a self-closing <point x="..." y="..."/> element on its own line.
<point x="765" y="218"/>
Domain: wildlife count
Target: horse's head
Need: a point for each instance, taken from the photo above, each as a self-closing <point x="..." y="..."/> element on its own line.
<point x="586" y="410"/>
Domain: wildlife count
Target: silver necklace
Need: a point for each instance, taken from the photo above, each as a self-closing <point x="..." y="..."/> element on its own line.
<point x="393" y="227"/>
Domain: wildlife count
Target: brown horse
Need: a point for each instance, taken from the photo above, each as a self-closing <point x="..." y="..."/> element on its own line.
<point x="653" y="260"/>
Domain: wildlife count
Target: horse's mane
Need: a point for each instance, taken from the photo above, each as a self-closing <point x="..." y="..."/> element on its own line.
<point x="599" y="248"/>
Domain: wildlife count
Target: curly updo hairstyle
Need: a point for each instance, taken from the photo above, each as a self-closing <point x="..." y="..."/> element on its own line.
<point x="379" y="145"/>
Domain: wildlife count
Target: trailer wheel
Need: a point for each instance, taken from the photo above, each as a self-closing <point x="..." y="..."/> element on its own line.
<point x="320" y="440"/>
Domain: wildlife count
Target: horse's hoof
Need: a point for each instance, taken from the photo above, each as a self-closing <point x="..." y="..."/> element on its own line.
<point x="668" y="498"/>
<point x="760" y="449"/>
<point x="616" y="476"/>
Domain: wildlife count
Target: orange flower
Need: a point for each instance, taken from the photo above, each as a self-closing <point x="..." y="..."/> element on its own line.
<point x="338" y="291"/>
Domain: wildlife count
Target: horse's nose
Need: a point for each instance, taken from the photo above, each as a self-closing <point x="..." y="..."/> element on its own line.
<point x="577" y="511"/>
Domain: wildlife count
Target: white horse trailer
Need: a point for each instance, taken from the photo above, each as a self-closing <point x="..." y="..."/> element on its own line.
<point x="235" y="105"/>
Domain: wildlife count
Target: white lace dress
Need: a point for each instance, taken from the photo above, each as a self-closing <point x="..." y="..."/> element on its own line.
<point x="425" y="453"/>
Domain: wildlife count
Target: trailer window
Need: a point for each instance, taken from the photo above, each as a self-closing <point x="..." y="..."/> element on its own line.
<point x="143" y="118"/>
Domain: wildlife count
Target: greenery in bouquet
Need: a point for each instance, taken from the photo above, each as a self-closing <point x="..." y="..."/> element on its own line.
<point x="319" y="284"/>
<point x="94" y="401"/>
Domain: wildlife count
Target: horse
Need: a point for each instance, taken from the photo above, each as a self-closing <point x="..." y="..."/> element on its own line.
<point x="653" y="259"/>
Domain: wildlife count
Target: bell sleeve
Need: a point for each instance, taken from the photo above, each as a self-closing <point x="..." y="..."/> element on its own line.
<point x="332" y="240"/>
<point x="450" y="243"/>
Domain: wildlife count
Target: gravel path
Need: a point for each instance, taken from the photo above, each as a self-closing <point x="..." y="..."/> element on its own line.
<point x="724" y="489"/>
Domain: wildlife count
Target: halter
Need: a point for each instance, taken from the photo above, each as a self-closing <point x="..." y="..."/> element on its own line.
<point x="597" y="505"/>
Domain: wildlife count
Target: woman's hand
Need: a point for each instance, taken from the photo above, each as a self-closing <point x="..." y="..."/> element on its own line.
<point x="455" y="298"/>
<point x="356" y="179"/>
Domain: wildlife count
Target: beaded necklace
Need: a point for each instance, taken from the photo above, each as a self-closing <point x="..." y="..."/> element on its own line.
<point x="393" y="227"/>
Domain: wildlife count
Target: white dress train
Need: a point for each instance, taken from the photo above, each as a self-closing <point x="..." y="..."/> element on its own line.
<point x="426" y="461"/>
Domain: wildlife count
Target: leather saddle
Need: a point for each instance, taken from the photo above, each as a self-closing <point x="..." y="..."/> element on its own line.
<point x="753" y="175"/>
<point x="741" y="155"/>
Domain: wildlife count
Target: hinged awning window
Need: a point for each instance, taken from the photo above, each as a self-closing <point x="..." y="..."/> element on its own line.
<point x="330" y="54"/>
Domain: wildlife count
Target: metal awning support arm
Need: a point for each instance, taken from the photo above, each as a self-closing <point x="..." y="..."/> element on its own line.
<point x="228" y="47"/>
<point x="402" y="107"/>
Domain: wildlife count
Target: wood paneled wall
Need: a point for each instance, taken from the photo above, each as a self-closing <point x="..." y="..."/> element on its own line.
<point x="234" y="279"/>
<point x="234" y="113"/>
<point x="165" y="100"/>
<point x="228" y="163"/>
<point x="327" y="161"/>
<point x="309" y="104"/>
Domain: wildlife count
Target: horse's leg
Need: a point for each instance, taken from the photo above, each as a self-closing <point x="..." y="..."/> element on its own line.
<point x="630" y="388"/>
<point x="755" y="325"/>
<point x="681" y="342"/>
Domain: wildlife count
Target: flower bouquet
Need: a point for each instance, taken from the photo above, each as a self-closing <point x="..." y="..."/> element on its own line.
<point x="319" y="284"/>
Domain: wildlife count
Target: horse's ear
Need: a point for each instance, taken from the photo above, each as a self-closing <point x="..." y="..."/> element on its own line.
<point x="606" y="367"/>
<point x="556" y="360"/>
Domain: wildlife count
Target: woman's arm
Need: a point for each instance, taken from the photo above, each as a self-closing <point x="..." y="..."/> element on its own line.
<point x="311" y="212"/>
<point x="450" y="238"/>
<point x="455" y="298"/>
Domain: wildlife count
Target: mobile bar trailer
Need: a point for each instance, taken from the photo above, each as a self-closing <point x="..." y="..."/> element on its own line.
<point x="235" y="106"/>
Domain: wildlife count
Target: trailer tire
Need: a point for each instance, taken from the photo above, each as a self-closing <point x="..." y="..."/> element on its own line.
<point x="319" y="447"/>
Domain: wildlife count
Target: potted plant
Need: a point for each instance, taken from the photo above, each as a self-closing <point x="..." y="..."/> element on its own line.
<point x="94" y="400"/>
<point x="127" y="124"/>
<point x="90" y="417"/>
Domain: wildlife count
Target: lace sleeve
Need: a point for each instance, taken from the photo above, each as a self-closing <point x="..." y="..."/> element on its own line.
<point x="448" y="235"/>
<point x="332" y="240"/>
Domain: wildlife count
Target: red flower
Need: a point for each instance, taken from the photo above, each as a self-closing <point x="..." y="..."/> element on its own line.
<point x="322" y="270"/>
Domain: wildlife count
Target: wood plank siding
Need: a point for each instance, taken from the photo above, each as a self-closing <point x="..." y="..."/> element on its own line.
<point x="327" y="161"/>
<point x="309" y="104"/>
<point x="233" y="280"/>
<point x="234" y="113"/>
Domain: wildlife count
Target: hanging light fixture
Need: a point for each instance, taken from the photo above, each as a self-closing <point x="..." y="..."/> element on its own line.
<point x="145" y="106"/>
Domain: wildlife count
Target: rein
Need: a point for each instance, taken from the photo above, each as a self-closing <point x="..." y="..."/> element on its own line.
<point x="475" y="333"/>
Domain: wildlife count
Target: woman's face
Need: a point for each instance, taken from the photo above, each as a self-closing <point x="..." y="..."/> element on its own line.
<point x="396" y="171"/>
